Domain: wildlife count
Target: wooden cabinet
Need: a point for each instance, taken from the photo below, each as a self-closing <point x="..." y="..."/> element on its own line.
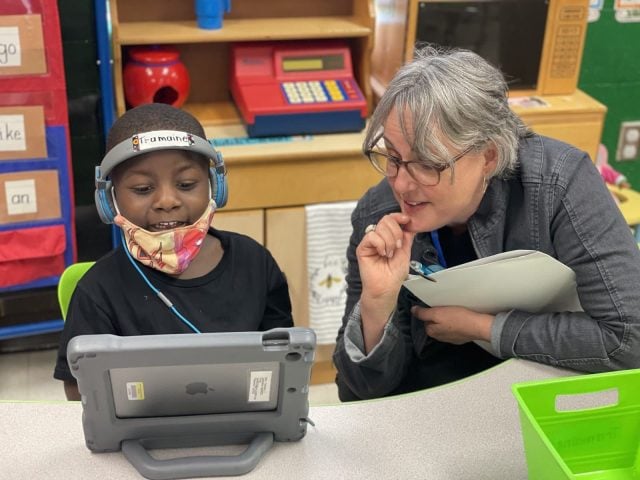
<point x="577" y="119"/>
<point x="272" y="182"/>
<point x="205" y="52"/>
<point x="286" y="239"/>
<point x="298" y="171"/>
<point x="269" y="184"/>
<point x="247" y="222"/>
<point x="573" y="117"/>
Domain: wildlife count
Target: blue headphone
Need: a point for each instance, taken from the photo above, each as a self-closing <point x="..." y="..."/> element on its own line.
<point x="148" y="142"/>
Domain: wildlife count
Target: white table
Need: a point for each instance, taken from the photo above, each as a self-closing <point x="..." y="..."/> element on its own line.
<point x="465" y="430"/>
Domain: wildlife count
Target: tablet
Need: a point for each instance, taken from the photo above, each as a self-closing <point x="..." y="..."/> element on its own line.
<point x="185" y="390"/>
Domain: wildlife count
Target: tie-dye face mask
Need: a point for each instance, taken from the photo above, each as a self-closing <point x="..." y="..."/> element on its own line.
<point x="170" y="251"/>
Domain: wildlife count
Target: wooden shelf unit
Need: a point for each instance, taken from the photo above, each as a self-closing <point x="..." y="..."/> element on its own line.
<point x="205" y="52"/>
<point x="144" y="33"/>
<point x="577" y="119"/>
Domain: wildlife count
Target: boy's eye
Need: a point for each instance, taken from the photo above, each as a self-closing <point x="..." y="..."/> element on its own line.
<point x="187" y="185"/>
<point x="141" y="189"/>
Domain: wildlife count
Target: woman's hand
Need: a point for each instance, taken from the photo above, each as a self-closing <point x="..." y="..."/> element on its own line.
<point x="455" y="325"/>
<point x="383" y="258"/>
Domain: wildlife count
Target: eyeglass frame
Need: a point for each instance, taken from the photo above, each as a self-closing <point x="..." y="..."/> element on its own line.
<point x="398" y="162"/>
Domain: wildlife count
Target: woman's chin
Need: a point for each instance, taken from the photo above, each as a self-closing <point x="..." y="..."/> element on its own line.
<point x="417" y="225"/>
<point x="427" y="221"/>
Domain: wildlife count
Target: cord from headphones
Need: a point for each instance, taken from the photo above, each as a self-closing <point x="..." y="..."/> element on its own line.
<point x="160" y="295"/>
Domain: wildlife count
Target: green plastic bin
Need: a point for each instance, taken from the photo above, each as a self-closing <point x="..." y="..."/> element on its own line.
<point x="598" y="437"/>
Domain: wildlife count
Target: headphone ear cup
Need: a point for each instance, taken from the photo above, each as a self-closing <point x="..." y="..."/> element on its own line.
<point x="104" y="204"/>
<point x="219" y="187"/>
<point x="219" y="190"/>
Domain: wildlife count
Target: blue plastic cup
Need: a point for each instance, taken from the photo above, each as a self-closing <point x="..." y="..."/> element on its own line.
<point x="209" y="14"/>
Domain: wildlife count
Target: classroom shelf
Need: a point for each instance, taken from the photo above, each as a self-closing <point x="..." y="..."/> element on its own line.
<point x="235" y="30"/>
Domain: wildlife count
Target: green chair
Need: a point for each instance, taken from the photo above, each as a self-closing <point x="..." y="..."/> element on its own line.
<point x="67" y="283"/>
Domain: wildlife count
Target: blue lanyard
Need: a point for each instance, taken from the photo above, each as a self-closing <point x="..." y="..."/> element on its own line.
<point x="435" y="239"/>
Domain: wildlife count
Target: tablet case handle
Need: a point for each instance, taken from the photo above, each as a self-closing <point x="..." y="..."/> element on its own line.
<point x="201" y="466"/>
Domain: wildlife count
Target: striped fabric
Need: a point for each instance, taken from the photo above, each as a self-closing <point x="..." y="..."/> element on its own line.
<point x="328" y="232"/>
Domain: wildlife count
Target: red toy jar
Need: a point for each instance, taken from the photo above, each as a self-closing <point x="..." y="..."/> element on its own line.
<point x="155" y="74"/>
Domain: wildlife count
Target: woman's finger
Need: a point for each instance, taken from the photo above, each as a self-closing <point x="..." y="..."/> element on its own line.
<point x="385" y="231"/>
<point x="390" y="227"/>
<point x="373" y="242"/>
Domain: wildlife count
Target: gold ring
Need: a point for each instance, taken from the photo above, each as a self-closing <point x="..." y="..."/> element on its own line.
<point x="370" y="228"/>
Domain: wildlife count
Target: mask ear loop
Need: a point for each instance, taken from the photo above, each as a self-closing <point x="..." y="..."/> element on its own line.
<point x="215" y="205"/>
<point x="113" y="199"/>
<point x="212" y="178"/>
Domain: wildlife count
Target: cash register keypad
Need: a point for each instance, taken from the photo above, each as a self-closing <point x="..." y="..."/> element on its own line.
<point x="318" y="91"/>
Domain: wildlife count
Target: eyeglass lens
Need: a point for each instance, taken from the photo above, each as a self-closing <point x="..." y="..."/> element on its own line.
<point x="389" y="166"/>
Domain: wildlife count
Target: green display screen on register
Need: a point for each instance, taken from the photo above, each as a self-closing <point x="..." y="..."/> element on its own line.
<point x="312" y="63"/>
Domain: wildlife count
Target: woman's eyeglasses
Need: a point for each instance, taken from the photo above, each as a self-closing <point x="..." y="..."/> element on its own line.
<point x="389" y="165"/>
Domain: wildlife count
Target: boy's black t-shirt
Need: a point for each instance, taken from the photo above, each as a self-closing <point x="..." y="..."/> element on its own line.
<point x="246" y="291"/>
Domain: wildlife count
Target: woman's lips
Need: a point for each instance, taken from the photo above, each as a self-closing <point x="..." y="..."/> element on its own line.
<point x="409" y="207"/>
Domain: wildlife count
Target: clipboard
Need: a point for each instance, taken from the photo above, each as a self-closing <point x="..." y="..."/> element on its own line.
<point x="526" y="280"/>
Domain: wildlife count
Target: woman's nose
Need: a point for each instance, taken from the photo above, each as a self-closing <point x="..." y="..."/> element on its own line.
<point x="403" y="181"/>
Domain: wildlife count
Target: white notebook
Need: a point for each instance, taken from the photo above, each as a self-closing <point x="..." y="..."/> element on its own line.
<point x="526" y="280"/>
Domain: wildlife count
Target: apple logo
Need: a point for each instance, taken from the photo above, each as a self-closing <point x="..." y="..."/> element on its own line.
<point x="198" y="387"/>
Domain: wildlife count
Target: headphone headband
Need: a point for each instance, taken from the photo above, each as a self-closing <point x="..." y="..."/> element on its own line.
<point x="157" y="140"/>
<point x="149" y="142"/>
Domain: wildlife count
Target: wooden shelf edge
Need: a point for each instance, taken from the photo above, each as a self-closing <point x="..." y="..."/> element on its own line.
<point x="221" y="120"/>
<point x="235" y="30"/>
<point x="213" y="114"/>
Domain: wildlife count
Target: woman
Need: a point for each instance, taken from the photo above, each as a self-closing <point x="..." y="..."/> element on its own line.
<point x="466" y="179"/>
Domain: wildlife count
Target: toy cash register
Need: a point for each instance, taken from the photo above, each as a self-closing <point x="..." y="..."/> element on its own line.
<point x="286" y="88"/>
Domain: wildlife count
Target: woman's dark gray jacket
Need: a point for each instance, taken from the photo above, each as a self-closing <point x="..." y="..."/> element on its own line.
<point x="557" y="203"/>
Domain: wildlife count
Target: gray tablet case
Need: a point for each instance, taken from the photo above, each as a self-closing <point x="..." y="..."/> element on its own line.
<point x="190" y="390"/>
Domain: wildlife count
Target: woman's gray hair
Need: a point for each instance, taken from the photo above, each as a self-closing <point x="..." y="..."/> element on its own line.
<point x="454" y="96"/>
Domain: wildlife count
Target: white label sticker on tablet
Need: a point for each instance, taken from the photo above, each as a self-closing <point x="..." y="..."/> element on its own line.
<point x="260" y="386"/>
<point x="135" y="390"/>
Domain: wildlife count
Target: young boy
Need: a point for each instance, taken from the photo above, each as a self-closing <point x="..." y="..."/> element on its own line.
<point x="161" y="182"/>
